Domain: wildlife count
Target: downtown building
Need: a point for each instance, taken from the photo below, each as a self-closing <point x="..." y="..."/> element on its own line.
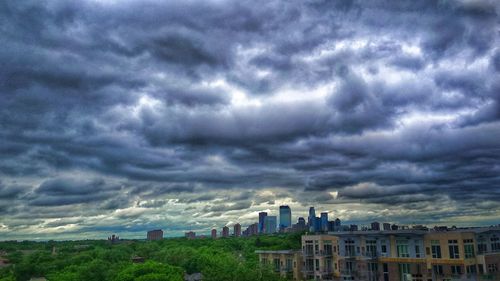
<point x="398" y="255"/>
<point x="285" y="218"/>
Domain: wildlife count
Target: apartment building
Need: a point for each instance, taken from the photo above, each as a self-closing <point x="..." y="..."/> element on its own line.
<point x="403" y="255"/>
<point x="287" y="263"/>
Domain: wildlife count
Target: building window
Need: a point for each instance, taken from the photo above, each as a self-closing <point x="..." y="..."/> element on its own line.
<point x="404" y="271"/>
<point x="317" y="264"/>
<point x="309" y="264"/>
<point x="288" y="265"/>
<point x="437" y="269"/>
<point x="349" y="248"/>
<point x="481" y="248"/>
<point x="384" y="249"/>
<point x="469" y="251"/>
<point x="264" y="261"/>
<point x="328" y="249"/>
<point x="276" y="264"/>
<point x="371" y="248"/>
<point x="453" y="248"/>
<point x="495" y="244"/>
<point x="436" y="249"/>
<point x="456" y="269"/>
<point x="471" y="269"/>
<point x="417" y="251"/>
<point x="386" y="272"/>
<point x="402" y="247"/>
<point x="348" y="266"/>
<point x="492" y="268"/>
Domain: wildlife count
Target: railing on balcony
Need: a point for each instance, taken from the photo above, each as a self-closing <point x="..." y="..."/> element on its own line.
<point x="308" y="253"/>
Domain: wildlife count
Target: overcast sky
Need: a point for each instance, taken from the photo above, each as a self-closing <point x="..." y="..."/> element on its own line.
<point x="124" y="116"/>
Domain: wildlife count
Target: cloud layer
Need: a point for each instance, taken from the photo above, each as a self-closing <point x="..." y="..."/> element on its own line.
<point x="119" y="116"/>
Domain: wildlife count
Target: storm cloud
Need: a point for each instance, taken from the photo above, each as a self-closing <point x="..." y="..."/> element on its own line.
<point x="118" y="116"/>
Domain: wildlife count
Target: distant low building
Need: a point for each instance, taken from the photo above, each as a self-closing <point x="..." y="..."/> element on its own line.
<point x="156" y="234"/>
<point x="114" y="239"/>
<point x="190" y="235"/>
<point x="193" y="277"/>
<point x="138" y="259"/>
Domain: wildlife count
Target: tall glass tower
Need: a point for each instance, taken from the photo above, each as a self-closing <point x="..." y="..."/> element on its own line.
<point x="285" y="217"/>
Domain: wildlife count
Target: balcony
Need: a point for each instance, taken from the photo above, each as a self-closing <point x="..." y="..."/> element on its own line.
<point x="347" y="272"/>
<point x="307" y="253"/>
<point x="325" y="253"/>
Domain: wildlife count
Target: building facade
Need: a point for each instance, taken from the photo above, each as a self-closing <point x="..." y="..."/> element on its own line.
<point x="285" y="217"/>
<point x="156" y="234"/>
<point x="262" y="216"/>
<point x="403" y="255"/>
<point x="225" y="231"/>
<point x="270" y="224"/>
<point x="237" y="230"/>
<point x="287" y="263"/>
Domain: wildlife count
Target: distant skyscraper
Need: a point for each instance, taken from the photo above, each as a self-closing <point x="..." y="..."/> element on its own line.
<point x="270" y="224"/>
<point x="225" y="231"/>
<point x="190" y="235"/>
<point x="312" y="215"/>
<point x="285" y="217"/>
<point x="253" y="229"/>
<point x="324" y="221"/>
<point x="262" y="216"/>
<point x="317" y="224"/>
<point x="337" y="224"/>
<point x="214" y="233"/>
<point x="237" y="230"/>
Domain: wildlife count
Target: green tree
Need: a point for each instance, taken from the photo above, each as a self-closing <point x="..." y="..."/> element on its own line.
<point x="150" y="271"/>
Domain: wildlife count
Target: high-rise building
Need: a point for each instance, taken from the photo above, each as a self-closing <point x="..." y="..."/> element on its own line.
<point x="301" y="221"/>
<point x="262" y="216"/>
<point x="214" y="233"/>
<point x="270" y="224"/>
<point x="324" y="221"/>
<point x="225" y="231"/>
<point x="317" y="224"/>
<point x="253" y="229"/>
<point x="310" y="218"/>
<point x="337" y="224"/>
<point x="156" y="234"/>
<point x="285" y="217"/>
<point x="237" y="230"/>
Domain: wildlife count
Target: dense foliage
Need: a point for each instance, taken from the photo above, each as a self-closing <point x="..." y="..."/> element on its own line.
<point x="231" y="259"/>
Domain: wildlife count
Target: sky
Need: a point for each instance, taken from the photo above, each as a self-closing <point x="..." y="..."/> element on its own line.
<point x="126" y="116"/>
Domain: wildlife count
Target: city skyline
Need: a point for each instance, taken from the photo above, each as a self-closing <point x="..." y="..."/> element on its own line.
<point x="127" y="116"/>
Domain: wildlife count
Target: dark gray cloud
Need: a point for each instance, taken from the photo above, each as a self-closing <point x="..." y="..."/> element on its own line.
<point x="119" y="116"/>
